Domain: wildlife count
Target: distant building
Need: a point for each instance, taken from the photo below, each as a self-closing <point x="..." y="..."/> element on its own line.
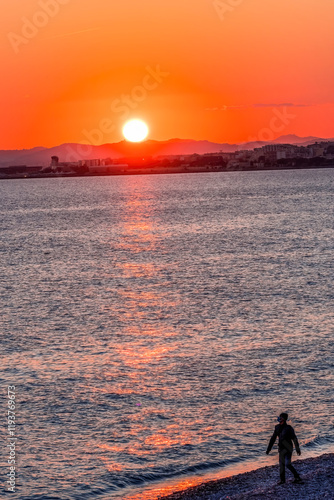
<point x="54" y="161"/>
<point x="58" y="167"/>
<point x="317" y="150"/>
<point x="92" y="163"/>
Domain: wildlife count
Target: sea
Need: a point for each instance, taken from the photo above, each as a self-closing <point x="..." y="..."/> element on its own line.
<point x="154" y="326"/>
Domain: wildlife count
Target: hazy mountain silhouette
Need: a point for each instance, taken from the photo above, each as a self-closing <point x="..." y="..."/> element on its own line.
<point x="75" y="152"/>
<point x="295" y="139"/>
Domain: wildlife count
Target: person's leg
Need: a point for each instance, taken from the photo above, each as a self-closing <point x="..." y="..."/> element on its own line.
<point x="282" y="465"/>
<point x="290" y="466"/>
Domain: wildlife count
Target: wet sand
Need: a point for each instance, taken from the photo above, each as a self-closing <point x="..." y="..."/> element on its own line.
<point x="317" y="474"/>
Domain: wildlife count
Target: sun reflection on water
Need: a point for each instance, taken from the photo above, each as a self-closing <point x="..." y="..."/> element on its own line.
<point x="160" y="317"/>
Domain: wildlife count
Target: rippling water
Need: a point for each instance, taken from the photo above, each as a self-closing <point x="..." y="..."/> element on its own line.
<point x="154" y="326"/>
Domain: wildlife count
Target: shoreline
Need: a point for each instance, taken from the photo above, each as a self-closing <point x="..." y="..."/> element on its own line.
<point x="149" y="171"/>
<point x="316" y="472"/>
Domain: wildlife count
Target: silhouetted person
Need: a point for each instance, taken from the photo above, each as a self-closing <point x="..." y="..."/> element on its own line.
<point x="286" y="435"/>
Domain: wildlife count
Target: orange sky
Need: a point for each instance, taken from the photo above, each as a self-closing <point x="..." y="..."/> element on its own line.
<point x="75" y="70"/>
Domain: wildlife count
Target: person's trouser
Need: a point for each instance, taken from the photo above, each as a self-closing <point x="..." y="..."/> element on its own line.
<point x="285" y="461"/>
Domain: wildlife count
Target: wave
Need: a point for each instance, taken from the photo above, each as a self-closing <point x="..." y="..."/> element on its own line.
<point x="145" y="478"/>
<point x="318" y="441"/>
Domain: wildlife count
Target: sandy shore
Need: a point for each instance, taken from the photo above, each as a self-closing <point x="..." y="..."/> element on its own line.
<point x="317" y="474"/>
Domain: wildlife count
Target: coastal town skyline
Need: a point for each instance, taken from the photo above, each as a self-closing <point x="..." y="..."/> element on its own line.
<point x="144" y="158"/>
<point x="223" y="71"/>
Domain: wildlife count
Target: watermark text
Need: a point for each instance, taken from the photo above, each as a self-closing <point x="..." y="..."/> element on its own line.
<point x="31" y="27"/>
<point x="11" y="445"/>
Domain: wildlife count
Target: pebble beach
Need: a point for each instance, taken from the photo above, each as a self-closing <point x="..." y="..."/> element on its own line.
<point x="261" y="484"/>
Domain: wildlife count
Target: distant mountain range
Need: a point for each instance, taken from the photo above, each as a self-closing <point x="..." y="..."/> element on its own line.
<point x="123" y="149"/>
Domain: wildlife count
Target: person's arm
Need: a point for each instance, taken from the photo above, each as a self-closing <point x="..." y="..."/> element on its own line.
<point x="295" y="440"/>
<point x="271" y="442"/>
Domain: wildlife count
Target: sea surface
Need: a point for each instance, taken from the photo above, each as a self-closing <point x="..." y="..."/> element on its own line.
<point x="154" y="326"/>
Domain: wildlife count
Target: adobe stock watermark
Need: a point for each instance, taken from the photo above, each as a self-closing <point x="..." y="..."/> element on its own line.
<point x="31" y="27"/>
<point x="122" y="107"/>
<point x="223" y="7"/>
<point x="11" y="446"/>
<point x="280" y="120"/>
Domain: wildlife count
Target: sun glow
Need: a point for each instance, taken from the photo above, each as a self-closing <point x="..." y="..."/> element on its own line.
<point x="135" y="131"/>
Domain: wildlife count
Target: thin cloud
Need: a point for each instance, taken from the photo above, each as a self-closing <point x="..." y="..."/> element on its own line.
<point x="281" y="105"/>
<point x="259" y="105"/>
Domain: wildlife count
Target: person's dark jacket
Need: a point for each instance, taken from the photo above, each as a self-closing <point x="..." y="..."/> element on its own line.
<point x="286" y="435"/>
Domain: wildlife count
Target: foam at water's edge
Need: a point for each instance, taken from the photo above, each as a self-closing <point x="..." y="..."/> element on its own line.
<point x="179" y="484"/>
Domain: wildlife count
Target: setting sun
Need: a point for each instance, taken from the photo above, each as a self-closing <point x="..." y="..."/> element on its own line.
<point x="135" y="131"/>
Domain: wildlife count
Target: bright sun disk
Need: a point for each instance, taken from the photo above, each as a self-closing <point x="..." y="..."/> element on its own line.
<point x="135" y="131"/>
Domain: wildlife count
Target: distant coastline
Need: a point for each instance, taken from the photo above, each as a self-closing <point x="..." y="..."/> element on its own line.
<point x="137" y="162"/>
<point x="146" y="159"/>
<point x="157" y="171"/>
